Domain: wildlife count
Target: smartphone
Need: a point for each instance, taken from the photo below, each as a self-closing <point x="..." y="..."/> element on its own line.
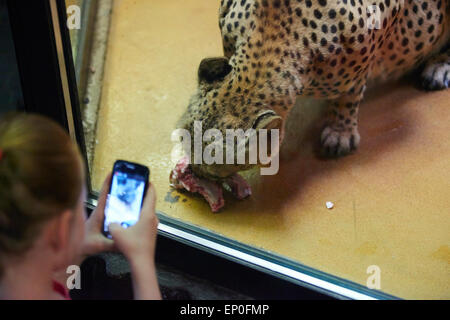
<point x="129" y="183"/>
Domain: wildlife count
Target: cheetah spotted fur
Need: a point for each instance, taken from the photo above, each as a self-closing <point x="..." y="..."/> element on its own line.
<point x="277" y="50"/>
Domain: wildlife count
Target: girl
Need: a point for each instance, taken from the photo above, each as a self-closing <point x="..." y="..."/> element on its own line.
<point x="43" y="227"/>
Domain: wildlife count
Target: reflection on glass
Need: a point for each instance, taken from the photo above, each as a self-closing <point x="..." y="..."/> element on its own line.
<point x="137" y="71"/>
<point x="10" y="89"/>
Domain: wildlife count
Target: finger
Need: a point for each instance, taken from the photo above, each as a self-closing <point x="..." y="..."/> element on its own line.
<point x="148" y="209"/>
<point x="100" y="210"/>
<point x="115" y="230"/>
<point x="104" y="192"/>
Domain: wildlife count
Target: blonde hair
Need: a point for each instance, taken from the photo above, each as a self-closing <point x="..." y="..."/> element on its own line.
<point x="41" y="175"/>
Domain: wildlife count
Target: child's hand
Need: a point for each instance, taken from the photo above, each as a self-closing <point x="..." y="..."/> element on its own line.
<point x="138" y="242"/>
<point x="95" y="242"/>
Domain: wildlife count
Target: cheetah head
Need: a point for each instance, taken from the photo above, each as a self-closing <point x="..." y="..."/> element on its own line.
<point x="221" y="102"/>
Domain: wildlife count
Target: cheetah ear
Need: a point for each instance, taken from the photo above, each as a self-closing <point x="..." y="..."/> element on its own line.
<point x="267" y="120"/>
<point x="213" y="69"/>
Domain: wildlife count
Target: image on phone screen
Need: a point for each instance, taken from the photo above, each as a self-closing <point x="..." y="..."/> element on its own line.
<point x="123" y="204"/>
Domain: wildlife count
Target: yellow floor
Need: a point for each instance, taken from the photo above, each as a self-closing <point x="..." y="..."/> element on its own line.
<point x="392" y="198"/>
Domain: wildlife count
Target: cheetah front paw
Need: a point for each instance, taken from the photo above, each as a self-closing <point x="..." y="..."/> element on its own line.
<point x="436" y="76"/>
<point x="339" y="141"/>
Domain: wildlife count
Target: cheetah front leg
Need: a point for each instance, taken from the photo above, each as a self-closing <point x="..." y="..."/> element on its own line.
<point x="436" y="75"/>
<point x="340" y="135"/>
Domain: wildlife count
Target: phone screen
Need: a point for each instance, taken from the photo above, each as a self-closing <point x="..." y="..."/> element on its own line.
<point x="124" y="201"/>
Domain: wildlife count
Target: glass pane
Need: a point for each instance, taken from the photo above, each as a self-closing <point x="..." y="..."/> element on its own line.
<point x="383" y="210"/>
<point x="10" y="88"/>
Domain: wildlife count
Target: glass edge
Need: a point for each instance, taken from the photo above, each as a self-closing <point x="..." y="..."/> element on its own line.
<point x="271" y="259"/>
<point x="260" y="259"/>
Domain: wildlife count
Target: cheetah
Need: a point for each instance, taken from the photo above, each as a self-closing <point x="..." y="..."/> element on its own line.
<point x="277" y="50"/>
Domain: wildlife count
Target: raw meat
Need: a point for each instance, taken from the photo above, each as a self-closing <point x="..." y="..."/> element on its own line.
<point x="182" y="177"/>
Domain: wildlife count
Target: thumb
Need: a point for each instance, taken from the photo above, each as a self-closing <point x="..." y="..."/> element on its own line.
<point x="114" y="230"/>
<point x="103" y="196"/>
<point x="118" y="237"/>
